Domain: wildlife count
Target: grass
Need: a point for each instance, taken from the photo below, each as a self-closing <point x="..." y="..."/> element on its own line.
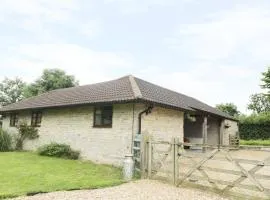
<point x="25" y="173"/>
<point x="255" y="142"/>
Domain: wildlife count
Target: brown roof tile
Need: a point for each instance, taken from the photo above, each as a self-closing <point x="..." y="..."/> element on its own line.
<point x="124" y="89"/>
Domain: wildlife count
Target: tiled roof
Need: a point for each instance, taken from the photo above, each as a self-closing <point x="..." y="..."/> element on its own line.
<point x="125" y="89"/>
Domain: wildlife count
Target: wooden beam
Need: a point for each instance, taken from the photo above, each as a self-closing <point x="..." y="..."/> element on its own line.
<point x="204" y="132"/>
<point x="221" y="132"/>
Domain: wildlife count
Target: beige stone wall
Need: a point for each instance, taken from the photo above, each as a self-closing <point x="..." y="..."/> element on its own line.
<point x="232" y="130"/>
<point x="23" y="116"/>
<point x="74" y="126"/>
<point x="164" y="124"/>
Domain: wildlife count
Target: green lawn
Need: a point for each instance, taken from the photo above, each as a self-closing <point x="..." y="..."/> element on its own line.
<point x="255" y="142"/>
<point x="22" y="173"/>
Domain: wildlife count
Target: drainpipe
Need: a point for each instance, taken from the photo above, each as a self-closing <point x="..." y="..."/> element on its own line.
<point x="146" y="111"/>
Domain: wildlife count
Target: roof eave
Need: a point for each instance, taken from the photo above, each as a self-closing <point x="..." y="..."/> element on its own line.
<point x="214" y="114"/>
<point x="147" y="101"/>
<point x="135" y="100"/>
<point x="67" y="105"/>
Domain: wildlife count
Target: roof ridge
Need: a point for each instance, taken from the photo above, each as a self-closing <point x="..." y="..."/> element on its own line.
<point x="134" y="86"/>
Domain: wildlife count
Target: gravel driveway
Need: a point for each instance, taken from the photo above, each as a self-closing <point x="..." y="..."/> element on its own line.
<point x="142" y="189"/>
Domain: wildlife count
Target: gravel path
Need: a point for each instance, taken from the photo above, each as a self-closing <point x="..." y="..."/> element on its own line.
<point x="142" y="189"/>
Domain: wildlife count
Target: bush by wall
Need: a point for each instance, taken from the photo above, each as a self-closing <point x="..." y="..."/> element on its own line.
<point x="25" y="132"/>
<point x="255" y="127"/>
<point x="58" y="150"/>
<point x="5" y="141"/>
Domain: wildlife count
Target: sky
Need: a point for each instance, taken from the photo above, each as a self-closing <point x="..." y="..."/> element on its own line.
<point x="212" y="50"/>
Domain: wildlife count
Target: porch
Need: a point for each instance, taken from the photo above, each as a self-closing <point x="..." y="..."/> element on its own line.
<point x="203" y="129"/>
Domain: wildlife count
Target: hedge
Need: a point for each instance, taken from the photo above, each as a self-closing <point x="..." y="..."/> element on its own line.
<point x="251" y="131"/>
<point x="255" y="126"/>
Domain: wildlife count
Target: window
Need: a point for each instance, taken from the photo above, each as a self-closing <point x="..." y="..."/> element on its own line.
<point x="103" y="117"/>
<point x="36" y="119"/>
<point x="13" y="119"/>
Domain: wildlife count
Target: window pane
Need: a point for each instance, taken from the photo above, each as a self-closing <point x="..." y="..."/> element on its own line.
<point x="107" y="121"/>
<point x="39" y="118"/>
<point x="98" y="111"/>
<point x="103" y="116"/>
<point x="32" y="122"/>
<point x="98" y="120"/>
<point x="36" y="118"/>
<point x="13" y="119"/>
<point x="107" y="117"/>
<point x="16" y="119"/>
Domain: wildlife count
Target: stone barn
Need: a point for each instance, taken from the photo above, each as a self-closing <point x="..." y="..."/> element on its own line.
<point x="102" y="119"/>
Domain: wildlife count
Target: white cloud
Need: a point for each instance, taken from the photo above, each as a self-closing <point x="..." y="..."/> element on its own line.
<point x="205" y="50"/>
<point x="208" y="83"/>
<point x="90" y="29"/>
<point x="87" y="65"/>
<point x="137" y="6"/>
<point x="228" y="49"/>
<point x="41" y="17"/>
<point x="223" y="34"/>
<point x="50" y="10"/>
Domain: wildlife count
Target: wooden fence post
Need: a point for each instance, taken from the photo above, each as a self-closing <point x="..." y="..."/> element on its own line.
<point x="149" y="170"/>
<point x="175" y="160"/>
<point x="144" y="155"/>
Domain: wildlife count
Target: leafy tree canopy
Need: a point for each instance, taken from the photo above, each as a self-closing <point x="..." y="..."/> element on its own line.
<point x="228" y="108"/>
<point x="11" y="91"/>
<point x="261" y="118"/>
<point x="51" y="79"/>
<point x="266" y="80"/>
<point x="259" y="103"/>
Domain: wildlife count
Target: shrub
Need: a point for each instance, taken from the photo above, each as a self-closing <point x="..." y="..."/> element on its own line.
<point x="255" y="126"/>
<point x="261" y="118"/>
<point x="58" y="150"/>
<point x="250" y="131"/>
<point x="5" y="141"/>
<point x="25" y="132"/>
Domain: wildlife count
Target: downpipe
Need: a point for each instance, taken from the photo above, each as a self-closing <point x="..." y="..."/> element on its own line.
<point x="146" y="111"/>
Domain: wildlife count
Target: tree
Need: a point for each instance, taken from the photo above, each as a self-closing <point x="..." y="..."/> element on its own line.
<point x="266" y="80"/>
<point x="228" y="108"/>
<point x="259" y="103"/>
<point x="11" y="91"/>
<point x="51" y="79"/>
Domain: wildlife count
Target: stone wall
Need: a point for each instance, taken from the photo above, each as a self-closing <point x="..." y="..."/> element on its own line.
<point x="164" y="124"/>
<point x="232" y="129"/>
<point x="74" y="126"/>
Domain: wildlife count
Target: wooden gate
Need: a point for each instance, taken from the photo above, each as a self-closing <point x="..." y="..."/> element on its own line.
<point x="223" y="169"/>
